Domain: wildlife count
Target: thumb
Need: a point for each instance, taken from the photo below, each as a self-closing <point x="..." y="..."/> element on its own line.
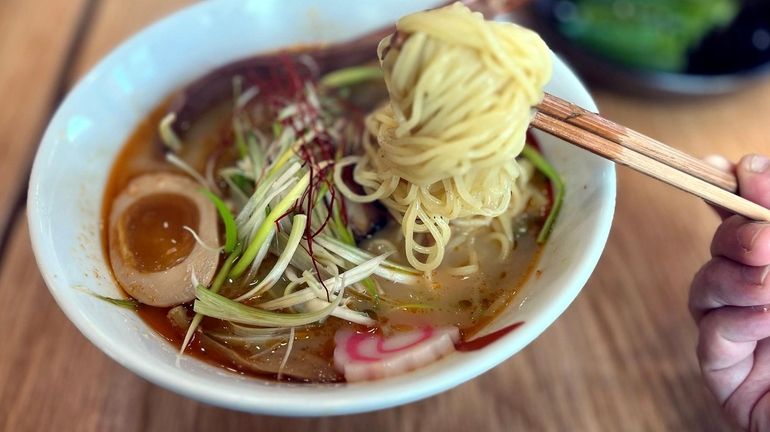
<point x="753" y="173"/>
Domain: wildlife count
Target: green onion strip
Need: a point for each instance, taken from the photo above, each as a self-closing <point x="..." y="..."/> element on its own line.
<point x="216" y="306"/>
<point x="299" y="222"/>
<point x="268" y="225"/>
<point x="219" y="279"/>
<point x="128" y="303"/>
<point x="350" y="76"/>
<point x="557" y="183"/>
<point x="387" y="270"/>
<point x="167" y="134"/>
<point x="231" y="231"/>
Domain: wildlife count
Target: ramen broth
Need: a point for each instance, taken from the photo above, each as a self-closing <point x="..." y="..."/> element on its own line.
<point x="467" y="302"/>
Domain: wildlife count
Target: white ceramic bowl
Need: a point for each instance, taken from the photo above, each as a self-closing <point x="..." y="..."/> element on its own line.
<point x="82" y="140"/>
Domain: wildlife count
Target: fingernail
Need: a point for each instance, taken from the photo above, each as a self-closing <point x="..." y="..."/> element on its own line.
<point x="755" y="275"/>
<point x="758" y="164"/>
<point x="748" y="234"/>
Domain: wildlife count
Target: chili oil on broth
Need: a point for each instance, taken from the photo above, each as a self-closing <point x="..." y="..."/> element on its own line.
<point x="468" y="302"/>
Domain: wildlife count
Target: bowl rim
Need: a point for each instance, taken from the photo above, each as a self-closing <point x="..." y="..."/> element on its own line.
<point x="347" y="397"/>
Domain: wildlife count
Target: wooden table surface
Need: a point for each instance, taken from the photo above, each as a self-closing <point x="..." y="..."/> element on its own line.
<point x="621" y="358"/>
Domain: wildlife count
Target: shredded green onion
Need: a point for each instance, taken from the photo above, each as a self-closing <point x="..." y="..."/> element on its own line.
<point x="557" y="183"/>
<point x="258" y="206"/>
<point x="345" y="235"/>
<point x="354" y="275"/>
<point x="281" y="161"/>
<point x="231" y="231"/>
<point x="269" y="224"/>
<point x="349" y="76"/>
<point x="256" y="153"/>
<point x="255" y="332"/>
<point x="216" y="306"/>
<point x="289" y="300"/>
<point x="297" y="229"/>
<point x="342" y="231"/>
<point x="167" y="134"/>
<point x="388" y="270"/>
<point x="128" y="303"/>
<point x="240" y="139"/>
<point x="238" y="185"/>
<point x="342" y="313"/>
<point x="216" y="285"/>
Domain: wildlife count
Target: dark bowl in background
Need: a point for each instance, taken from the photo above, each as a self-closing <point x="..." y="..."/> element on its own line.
<point x="726" y="60"/>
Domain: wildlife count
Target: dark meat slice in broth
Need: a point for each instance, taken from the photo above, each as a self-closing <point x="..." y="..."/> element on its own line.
<point x="365" y="219"/>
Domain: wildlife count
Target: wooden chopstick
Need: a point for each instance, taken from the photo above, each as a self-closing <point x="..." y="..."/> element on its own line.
<point x="641" y="153"/>
<point x="598" y="125"/>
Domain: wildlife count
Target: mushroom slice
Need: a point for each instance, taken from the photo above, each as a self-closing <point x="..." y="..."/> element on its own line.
<point x="153" y="255"/>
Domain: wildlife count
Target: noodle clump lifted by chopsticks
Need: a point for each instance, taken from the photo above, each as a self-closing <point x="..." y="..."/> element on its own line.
<point x="444" y="149"/>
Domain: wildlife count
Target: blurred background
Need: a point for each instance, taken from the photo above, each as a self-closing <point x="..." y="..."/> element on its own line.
<point x="673" y="46"/>
<point x="690" y="73"/>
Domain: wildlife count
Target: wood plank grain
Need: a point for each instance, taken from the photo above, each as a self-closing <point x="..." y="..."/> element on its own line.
<point x="34" y="47"/>
<point x="51" y="378"/>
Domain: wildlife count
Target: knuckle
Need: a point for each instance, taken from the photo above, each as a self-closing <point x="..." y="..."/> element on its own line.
<point x="701" y="348"/>
<point x="696" y="294"/>
<point x="733" y="409"/>
<point x="709" y="276"/>
<point x="709" y="328"/>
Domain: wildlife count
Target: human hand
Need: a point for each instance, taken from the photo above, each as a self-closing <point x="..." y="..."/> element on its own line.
<point x="730" y="302"/>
